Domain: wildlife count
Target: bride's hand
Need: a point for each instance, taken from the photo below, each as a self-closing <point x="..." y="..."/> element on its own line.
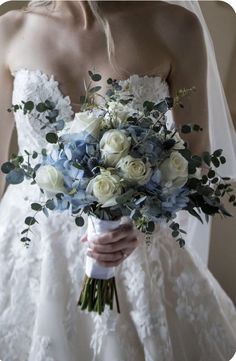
<point x="111" y="248"/>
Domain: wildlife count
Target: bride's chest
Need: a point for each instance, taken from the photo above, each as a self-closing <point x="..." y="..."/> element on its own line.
<point x="69" y="55"/>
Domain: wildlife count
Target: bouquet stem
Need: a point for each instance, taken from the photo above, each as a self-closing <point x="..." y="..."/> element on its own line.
<point x="99" y="286"/>
<point x="97" y="293"/>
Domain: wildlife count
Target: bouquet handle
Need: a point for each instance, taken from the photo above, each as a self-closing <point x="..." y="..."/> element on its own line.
<point x="99" y="287"/>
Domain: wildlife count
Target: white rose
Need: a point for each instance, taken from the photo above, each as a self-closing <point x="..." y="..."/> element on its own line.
<point x="179" y="142"/>
<point x="114" y="145"/>
<point x="50" y="179"/>
<point x="86" y="121"/>
<point x="135" y="169"/>
<point x="120" y="112"/>
<point x="174" y="170"/>
<point x="105" y="187"/>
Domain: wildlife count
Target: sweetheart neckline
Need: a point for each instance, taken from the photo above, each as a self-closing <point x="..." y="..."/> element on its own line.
<point x="52" y="76"/>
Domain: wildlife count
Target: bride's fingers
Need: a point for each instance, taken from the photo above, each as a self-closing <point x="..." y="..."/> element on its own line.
<point x="125" y="243"/>
<point x="110" y="264"/>
<point x="84" y="238"/>
<point x="110" y="259"/>
<point x="123" y="231"/>
<point x="106" y="257"/>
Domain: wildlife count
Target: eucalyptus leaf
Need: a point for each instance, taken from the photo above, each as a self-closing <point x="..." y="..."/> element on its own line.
<point x="181" y="242"/>
<point x="7" y="167"/>
<point x="50" y="204"/>
<point x="90" y="73"/>
<point x="95" y="89"/>
<point x="150" y="227"/>
<point x="191" y="168"/>
<point x="215" y="180"/>
<point x="25" y="239"/>
<point x="222" y="160"/>
<point x="30" y="221"/>
<point x="211" y="173"/>
<point x="49" y="104"/>
<point x="36" y="206"/>
<point x="60" y="124"/>
<point x="82" y="99"/>
<point x="96" y="77"/>
<point x="24" y="231"/>
<point x="215" y="161"/>
<point x="175" y="234"/>
<point x="217" y="153"/>
<point x="162" y="106"/>
<point x="44" y="152"/>
<point x="148" y="105"/>
<point x="186" y="129"/>
<point x="45" y="211"/>
<point x="109" y="81"/>
<point x="52" y="138"/>
<point x="79" y="221"/>
<point x="195" y="214"/>
<point x="15" y="176"/>
<point x="41" y="107"/>
<point x="206" y="157"/>
<point x="29" y="105"/>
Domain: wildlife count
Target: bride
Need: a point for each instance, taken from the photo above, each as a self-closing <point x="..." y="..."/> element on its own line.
<point x="172" y="308"/>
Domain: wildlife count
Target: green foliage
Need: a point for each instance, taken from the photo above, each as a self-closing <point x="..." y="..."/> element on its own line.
<point x="41" y="107"/>
<point x="50" y="204"/>
<point x="186" y="129"/>
<point x="52" y="138"/>
<point x="94" y="77"/>
<point x="36" y="207"/>
<point x="29" y="106"/>
<point x="15" y="176"/>
<point x="30" y="220"/>
<point x="7" y="167"/>
<point x="79" y="221"/>
<point x="95" y="89"/>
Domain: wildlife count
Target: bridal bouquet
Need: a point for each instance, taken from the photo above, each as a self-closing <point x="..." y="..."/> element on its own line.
<point x="113" y="161"/>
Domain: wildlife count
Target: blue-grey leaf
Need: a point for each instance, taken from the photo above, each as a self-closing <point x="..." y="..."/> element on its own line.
<point x="15" y="176"/>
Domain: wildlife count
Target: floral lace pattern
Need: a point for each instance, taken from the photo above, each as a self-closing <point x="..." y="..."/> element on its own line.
<point x="172" y="308"/>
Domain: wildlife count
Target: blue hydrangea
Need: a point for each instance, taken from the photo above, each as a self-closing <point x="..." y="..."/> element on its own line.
<point x="153" y="186"/>
<point x="174" y="200"/>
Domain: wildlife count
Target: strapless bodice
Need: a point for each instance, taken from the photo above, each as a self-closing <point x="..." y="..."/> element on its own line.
<point x="37" y="86"/>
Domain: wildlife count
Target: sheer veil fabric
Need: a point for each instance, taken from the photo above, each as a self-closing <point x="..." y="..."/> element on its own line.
<point x="221" y="132"/>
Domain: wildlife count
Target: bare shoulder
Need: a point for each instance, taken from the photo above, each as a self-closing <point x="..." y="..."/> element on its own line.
<point x="178" y="14"/>
<point x="179" y="27"/>
<point x="10" y="23"/>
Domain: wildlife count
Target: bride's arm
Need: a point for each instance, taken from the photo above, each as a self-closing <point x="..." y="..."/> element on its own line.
<point x="189" y="68"/>
<point x="6" y="118"/>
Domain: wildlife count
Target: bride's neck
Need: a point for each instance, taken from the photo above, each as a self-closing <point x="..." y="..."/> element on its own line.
<point x="80" y="11"/>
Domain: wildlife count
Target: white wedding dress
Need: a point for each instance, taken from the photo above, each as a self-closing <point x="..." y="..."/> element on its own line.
<point x="172" y="308"/>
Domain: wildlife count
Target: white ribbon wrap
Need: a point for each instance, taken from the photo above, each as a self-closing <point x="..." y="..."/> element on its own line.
<point x="97" y="227"/>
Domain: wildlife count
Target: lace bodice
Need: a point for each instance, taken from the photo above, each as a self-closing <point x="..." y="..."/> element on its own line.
<point x="37" y="86"/>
